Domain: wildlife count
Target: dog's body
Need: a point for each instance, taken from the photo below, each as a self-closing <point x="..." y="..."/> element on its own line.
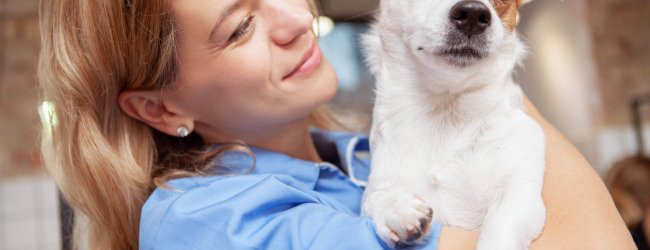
<point x="449" y="131"/>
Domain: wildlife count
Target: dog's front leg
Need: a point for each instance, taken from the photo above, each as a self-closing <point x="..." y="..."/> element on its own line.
<point x="517" y="219"/>
<point x="391" y="201"/>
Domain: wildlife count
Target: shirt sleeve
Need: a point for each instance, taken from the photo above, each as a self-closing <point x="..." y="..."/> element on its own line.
<point x="257" y="213"/>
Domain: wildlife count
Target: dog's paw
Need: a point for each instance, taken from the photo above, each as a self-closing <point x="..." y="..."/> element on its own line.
<point x="401" y="219"/>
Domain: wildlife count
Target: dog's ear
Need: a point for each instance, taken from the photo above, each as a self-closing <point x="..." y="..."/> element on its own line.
<point x="523" y="2"/>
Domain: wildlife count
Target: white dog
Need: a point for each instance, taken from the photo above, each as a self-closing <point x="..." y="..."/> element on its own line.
<point x="449" y="130"/>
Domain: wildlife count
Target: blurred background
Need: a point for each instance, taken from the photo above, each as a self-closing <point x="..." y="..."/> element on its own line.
<point x="588" y="62"/>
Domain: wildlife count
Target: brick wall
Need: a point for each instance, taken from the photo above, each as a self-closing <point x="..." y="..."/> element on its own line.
<point x="621" y="36"/>
<point x="19" y="122"/>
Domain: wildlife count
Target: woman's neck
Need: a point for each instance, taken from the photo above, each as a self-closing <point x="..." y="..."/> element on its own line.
<point x="296" y="142"/>
<point x="293" y="139"/>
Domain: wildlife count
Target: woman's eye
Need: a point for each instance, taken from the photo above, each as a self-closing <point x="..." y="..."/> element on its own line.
<point x="243" y="28"/>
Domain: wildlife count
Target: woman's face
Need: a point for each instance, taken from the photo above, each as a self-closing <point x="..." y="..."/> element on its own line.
<point x="247" y="66"/>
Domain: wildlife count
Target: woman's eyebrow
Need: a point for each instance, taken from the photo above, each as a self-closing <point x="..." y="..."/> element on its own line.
<point x="227" y="12"/>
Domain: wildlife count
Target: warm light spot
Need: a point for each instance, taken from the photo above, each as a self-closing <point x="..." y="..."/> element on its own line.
<point x="323" y="26"/>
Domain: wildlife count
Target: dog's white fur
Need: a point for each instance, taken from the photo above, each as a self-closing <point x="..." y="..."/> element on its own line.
<point x="450" y="136"/>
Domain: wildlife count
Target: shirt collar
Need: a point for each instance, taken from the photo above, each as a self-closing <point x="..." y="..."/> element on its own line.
<point x="354" y="154"/>
<point x="352" y="151"/>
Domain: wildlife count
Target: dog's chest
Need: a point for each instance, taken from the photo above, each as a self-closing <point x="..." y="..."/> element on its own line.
<point x="462" y="192"/>
<point x="467" y="174"/>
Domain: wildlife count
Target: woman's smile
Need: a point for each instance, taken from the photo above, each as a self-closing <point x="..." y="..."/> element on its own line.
<point x="309" y="62"/>
<point x="271" y="73"/>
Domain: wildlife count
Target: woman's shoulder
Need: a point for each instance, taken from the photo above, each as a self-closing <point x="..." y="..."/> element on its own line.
<point x="218" y="189"/>
<point x="189" y="203"/>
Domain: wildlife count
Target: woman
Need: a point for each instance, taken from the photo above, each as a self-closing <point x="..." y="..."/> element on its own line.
<point x="154" y="90"/>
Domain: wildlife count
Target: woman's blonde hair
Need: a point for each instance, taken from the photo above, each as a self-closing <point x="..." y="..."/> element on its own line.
<point x="103" y="161"/>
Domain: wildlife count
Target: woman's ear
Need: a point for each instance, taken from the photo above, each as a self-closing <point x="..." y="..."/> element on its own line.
<point x="147" y="107"/>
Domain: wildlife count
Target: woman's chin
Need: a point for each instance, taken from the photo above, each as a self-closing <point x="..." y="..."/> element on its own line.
<point x="328" y="82"/>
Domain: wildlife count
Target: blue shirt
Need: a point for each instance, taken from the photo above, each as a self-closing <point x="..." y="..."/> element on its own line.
<point x="282" y="203"/>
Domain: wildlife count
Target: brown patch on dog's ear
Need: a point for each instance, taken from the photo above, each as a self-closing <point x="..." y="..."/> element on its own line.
<point x="508" y="11"/>
<point x="522" y="2"/>
<point x="519" y="3"/>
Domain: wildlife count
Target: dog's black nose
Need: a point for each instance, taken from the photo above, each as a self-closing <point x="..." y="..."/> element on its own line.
<point x="471" y="17"/>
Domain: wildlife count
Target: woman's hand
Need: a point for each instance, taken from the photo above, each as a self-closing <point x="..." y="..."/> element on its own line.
<point x="580" y="211"/>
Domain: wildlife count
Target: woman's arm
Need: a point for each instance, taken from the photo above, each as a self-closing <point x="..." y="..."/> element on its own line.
<point x="254" y="212"/>
<point x="580" y="213"/>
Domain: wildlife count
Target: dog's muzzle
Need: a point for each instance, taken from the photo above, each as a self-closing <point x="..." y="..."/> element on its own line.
<point x="467" y="39"/>
<point x="470" y="17"/>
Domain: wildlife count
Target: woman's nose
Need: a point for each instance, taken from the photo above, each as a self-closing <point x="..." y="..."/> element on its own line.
<point x="289" y="19"/>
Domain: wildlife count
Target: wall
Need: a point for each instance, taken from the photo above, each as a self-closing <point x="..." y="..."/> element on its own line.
<point x="583" y="70"/>
<point x="19" y="122"/>
<point x="621" y="36"/>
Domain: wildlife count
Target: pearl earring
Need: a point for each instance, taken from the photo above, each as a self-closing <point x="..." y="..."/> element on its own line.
<point x="182" y="131"/>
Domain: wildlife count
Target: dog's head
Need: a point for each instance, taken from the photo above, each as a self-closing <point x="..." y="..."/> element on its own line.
<point x="460" y="33"/>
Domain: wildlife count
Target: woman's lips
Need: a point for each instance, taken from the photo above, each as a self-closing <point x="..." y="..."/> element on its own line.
<point x="310" y="61"/>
